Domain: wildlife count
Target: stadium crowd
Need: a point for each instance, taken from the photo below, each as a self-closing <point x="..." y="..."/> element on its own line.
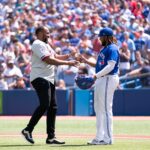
<point x="73" y="24"/>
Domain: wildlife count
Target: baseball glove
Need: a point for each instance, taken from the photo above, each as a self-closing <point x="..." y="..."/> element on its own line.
<point x="84" y="82"/>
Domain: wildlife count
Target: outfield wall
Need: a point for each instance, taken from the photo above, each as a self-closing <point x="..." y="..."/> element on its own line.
<point x="76" y="102"/>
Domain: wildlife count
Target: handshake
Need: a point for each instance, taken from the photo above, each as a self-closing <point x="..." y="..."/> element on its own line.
<point x="78" y="58"/>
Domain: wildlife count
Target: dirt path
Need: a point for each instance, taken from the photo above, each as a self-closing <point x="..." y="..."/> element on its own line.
<point x="137" y="137"/>
<point x="131" y="118"/>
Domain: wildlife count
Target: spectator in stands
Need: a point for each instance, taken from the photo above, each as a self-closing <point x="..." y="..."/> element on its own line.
<point x="139" y="43"/>
<point x="67" y="73"/>
<point x="146" y="41"/>
<point x="11" y="72"/>
<point x="85" y="41"/>
<point x="22" y="59"/>
<point x="18" y="84"/>
<point x="133" y="25"/>
<point x="124" y="59"/>
<point x="112" y="23"/>
<point x="3" y="83"/>
<point x="138" y="10"/>
<point x="75" y="40"/>
<point x="139" y="61"/>
<point x="131" y="45"/>
<point x="86" y="31"/>
<point x="61" y="84"/>
<point x="143" y="73"/>
<point x="125" y="11"/>
<point x="66" y="47"/>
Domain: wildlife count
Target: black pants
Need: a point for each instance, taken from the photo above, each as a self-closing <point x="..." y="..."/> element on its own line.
<point x="46" y="94"/>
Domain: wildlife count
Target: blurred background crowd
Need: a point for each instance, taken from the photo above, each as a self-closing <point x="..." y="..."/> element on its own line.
<point x="73" y="24"/>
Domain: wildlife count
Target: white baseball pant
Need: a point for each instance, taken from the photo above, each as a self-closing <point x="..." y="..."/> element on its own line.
<point x="103" y="101"/>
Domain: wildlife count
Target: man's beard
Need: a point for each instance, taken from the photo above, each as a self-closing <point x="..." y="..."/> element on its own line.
<point x="45" y="40"/>
<point x="104" y="43"/>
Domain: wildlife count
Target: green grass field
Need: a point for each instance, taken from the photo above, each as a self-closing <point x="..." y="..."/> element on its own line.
<point x="130" y="133"/>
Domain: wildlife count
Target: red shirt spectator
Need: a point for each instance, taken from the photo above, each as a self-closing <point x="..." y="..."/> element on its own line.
<point x="133" y="5"/>
<point x="138" y="10"/>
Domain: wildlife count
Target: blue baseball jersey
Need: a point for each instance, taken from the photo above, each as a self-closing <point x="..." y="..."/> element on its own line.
<point x="108" y="53"/>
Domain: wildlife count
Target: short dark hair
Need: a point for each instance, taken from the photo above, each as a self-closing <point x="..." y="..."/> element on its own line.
<point x="39" y="29"/>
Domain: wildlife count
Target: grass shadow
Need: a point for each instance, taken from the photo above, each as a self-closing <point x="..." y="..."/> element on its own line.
<point x="13" y="145"/>
<point x="71" y="145"/>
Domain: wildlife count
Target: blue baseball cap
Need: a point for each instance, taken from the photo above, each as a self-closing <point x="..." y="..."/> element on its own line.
<point x="106" y="32"/>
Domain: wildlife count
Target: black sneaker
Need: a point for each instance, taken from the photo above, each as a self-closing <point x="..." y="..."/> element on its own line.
<point x="28" y="136"/>
<point x="54" y="141"/>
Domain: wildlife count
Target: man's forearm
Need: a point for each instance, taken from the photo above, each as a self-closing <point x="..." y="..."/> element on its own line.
<point x="55" y="61"/>
<point x="63" y="57"/>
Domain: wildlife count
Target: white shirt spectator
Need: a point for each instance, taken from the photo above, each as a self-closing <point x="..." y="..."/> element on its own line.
<point x="12" y="72"/>
<point x="67" y="73"/>
<point x="3" y="83"/>
<point x="41" y="50"/>
<point x="146" y="38"/>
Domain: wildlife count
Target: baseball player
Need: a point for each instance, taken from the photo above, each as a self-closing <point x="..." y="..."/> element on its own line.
<point x="106" y="81"/>
<point x="44" y="60"/>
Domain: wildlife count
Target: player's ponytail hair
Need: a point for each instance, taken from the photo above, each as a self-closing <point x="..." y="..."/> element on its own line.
<point x="111" y="39"/>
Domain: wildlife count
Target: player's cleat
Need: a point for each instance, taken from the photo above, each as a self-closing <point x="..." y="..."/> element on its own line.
<point x="54" y="141"/>
<point x="97" y="142"/>
<point x="28" y="136"/>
